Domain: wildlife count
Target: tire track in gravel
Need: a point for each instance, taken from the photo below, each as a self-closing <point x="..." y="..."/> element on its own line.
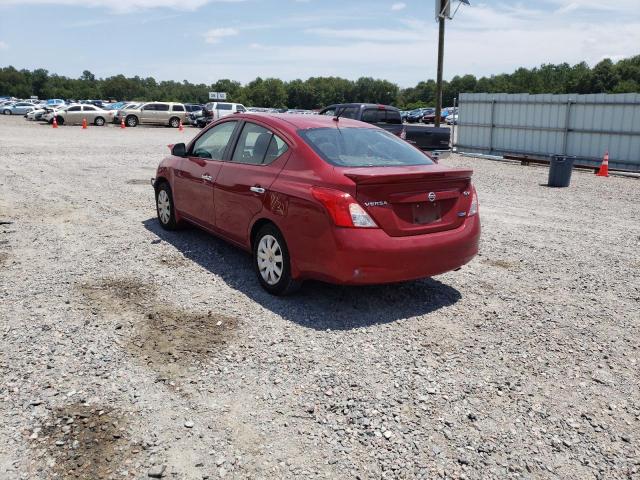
<point x="166" y="339"/>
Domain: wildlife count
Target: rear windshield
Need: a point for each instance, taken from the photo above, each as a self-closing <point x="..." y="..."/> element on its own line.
<point x="362" y="147"/>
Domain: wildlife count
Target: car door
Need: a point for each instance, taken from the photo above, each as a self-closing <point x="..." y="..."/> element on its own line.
<point x="243" y="184"/>
<point x="196" y="174"/>
<point x="89" y="113"/>
<point x="161" y="115"/>
<point x="147" y="112"/>
<point x="73" y="115"/>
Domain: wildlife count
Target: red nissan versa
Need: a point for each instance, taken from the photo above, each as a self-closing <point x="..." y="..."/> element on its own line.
<point x="315" y="197"/>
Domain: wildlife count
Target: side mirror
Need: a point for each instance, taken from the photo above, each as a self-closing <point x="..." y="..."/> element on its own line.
<point x="179" y="150"/>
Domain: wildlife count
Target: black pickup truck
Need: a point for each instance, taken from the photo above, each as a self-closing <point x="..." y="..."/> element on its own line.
<point x="388" y="117"/>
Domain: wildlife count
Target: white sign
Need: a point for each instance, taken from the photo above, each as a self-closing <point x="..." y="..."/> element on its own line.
<point x="34" y="97"/>
<point x="217" y="95"/>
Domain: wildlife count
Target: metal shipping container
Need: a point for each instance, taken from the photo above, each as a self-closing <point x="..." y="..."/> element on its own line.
<point x="584" y="126"/>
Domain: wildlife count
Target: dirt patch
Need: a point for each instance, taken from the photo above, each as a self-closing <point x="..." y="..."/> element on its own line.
<point x="85" y="442"/>
<point x="164" y="338"/>
<point x="173" y="261"/>
<point x="501" y="263"/>
<point x="168" y="340"/>
<point x="4" y="258"/>
<point x="138" y="181"/>
<point x="127" y="293"/>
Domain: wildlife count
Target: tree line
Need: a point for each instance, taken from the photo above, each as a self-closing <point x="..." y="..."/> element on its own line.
<point x="316" y="92"/>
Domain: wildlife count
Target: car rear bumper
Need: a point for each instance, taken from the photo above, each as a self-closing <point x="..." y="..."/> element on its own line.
<point x="370" y="256"/>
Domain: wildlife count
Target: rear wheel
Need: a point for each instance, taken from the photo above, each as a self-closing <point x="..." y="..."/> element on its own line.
<point x="131" y="121"/>
<point x="272" y="262"/>
<point x="99" y="121"/>
<point x="7" y="112"/>
<point x="174" y="122"/>
<point x="165" y="208"/>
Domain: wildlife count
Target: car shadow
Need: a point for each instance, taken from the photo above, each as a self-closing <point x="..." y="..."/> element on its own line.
<point x="317" y="305"/>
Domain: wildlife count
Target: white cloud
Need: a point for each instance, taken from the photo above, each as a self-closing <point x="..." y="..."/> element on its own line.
<point x="4" y="45"/>
<point x="123" y="6"/>
<point x="216" y="34"/>
<point x="398" y="6"/>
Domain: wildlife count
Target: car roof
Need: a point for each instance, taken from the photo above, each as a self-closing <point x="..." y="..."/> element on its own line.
<point x="293" y="122"/>
<point x="374" y="105"/>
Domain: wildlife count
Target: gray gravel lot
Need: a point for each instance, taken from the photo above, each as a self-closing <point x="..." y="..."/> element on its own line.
<point x="130" y="352"/>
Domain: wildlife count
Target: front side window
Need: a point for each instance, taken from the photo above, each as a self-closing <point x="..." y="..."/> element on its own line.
<point x="149" y="107"/>
<point x="89" y="109"/>
<point x="348" y="112"/>
<point x="258" y="146"/>
<point x="362" y="147"/>
<point x="213" y="142"/>
<point x="240" y="108"/>
<point x="223" y="106"/>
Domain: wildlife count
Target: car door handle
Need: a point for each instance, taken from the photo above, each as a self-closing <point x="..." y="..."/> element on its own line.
<point x="206" y="177"/>
<point x="257" y="189"/>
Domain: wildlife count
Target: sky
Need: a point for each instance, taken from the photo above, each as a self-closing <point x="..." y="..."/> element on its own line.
<point x="205" y="40"/>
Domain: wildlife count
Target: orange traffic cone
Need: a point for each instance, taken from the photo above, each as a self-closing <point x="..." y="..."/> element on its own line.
<point x="84" y="123"/>
<point x="55" y="122"/>
<point x="122" y="125"/>
<point x="180" y="127"/>
<point x="604" y="168"/>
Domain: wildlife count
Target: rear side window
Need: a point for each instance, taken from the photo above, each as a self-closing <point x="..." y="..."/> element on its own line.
<point x="162" y="107"/>
<point x="178" y="108"/>
<point x="223" y="106"/>
<point x="371" y="115"/>
<point x="258" y="146"/>
<point x="74" y="109"/>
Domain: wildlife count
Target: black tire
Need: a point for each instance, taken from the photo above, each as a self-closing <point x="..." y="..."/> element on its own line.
<point x="163" y="195"/>
<point x="7" y="112"/>
<point x="99" y="122"/>
<point x="131" y="121"/>
<point x="60" y="120"/>
<point x="174" y="122"/>
<point x="284" y="285"/>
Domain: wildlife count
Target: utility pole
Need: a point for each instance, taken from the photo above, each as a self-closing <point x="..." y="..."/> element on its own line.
<point x="436" y="120"/>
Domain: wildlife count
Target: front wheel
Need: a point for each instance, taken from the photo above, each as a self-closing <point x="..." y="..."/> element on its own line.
<point x="272" y="262"/>
<point x="7" y="112"/>
<point x="165" y="208"/>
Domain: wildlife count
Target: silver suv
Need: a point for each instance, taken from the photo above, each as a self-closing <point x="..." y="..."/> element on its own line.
<point x="155" y="113"/>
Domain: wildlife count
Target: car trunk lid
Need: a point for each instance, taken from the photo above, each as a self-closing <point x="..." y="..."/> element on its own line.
<point x="413" y="200"/>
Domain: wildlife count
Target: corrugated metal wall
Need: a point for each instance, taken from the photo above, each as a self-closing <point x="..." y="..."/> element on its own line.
<point x="584" y="126"/>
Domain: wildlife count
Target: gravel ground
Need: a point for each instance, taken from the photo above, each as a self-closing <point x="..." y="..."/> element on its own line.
<point x="130" y="352"/>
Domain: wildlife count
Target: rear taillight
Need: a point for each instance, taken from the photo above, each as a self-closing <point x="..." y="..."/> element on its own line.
<point x="343" y="209"/>
<point x="473" y="209"/>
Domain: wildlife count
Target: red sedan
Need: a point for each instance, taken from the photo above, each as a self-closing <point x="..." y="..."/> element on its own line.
<point x="315" y="197"/>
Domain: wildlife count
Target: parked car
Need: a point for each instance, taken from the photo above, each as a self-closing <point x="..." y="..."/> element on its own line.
<point x="155" y="113"/>
<point x="452" y="119"/>
<point x="50" y="113"/>
<point x="117" y="116"/>
<point x="415" y="116"/>
<point x="313" y="197"/>
<point x="216" y="110"/>
<point x="383" y="116"/>
<point x="18" y="108"/>
<point x="431" y="116"/>
<point x="75" y="114"/>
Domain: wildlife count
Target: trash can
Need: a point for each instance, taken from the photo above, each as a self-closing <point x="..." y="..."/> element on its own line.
<point x="560" y="170"/>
